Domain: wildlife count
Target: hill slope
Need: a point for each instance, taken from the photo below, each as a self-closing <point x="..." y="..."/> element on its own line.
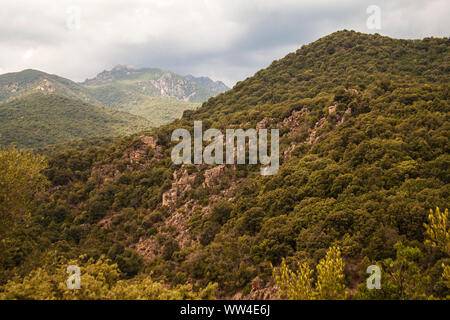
<point x="157" y="95"/>
<point x="28" y="81"/>
<point x="126" y="96"/>
<point x="40" y="119"/>
<point x="364" y="147"/>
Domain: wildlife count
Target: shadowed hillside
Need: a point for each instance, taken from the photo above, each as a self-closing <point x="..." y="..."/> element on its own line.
<point x="41" y="119"/>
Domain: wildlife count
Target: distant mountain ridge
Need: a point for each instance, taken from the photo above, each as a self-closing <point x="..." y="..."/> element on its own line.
<point x="154" y="82"/>
<point x="215" y="86"/>
<point x="16" y="84"/>
<point x="157" y="95"/>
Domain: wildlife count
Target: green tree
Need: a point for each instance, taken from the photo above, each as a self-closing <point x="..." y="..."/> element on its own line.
<point x="446" y="275"/>
<point x="20" y="179"/>
<point x="404" y="273"/>
<point x="298" y="284"/>
<point x="99" y="280"/>
<point x="294" y="285"/>
<point x="330" y="276"/>
<point x="437" y="230"/>
<point x="401" y="278"/>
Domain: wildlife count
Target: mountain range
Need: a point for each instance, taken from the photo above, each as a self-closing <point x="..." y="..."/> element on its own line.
<point x="157" y="82"/>
<point x="151" y="97"/>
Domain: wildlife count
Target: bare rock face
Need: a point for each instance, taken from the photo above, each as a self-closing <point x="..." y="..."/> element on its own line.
<point x="294" y="121"/>
<point x="169" y="197"/>
<point x="332" y="109"/>
<point x="46" y="85"/>
<point x="260" y="291"/>
<point x="352" y="91"/>
<point x="140" y="155"/>
<point x="345" y="116"/>
<point x="313" y="137"/>
<point x="212" y="176"/>
<point x="13" y="87"/>
<point x="137" y="155"/>
<point x="263" y="124"/>
<point x="182" y="183"/>
<point x="149" y="141"/>
<point x="152" y="142"/>
<point x="257" y="283"/>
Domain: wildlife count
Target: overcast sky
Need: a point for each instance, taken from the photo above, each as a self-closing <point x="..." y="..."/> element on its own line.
<point x="226" y="40"/>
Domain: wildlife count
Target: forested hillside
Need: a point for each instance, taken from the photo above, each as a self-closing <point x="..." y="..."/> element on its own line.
<point x="41" y="119"/>
<point x="17" y="84"/>
<point x="127" y="96"/>
<point x="364" y="151"/>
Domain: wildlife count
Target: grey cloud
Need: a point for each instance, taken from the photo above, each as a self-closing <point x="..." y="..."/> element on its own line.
<point x="225" y="39"/>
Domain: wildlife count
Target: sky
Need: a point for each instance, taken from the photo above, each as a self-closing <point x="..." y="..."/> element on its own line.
<point x="227" y="40"/>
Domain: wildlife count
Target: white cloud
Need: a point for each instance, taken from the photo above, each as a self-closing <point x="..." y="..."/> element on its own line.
<point x="225" y="39"/>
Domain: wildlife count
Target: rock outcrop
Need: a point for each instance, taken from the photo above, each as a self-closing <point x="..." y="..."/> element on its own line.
<point x="181" y="184"/>
<point x="295" y="120"/>
<point x="212" y="176"/>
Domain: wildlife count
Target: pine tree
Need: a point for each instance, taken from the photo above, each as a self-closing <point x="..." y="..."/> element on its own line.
<point x="437" y="230"/>
<point x="330" y="276"/>
<point x="298" y="284"/>
<point x="294" y="285"/>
